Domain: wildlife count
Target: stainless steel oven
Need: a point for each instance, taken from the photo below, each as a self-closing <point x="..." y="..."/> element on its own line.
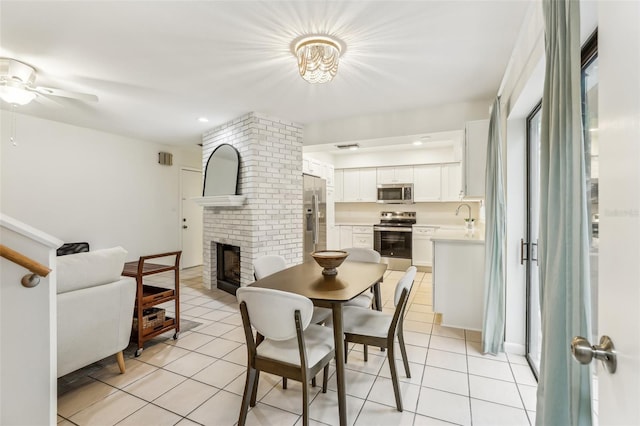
<point x="392" y="238"/>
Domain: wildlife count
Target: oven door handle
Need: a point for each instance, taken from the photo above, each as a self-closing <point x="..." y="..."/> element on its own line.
<point x="391" y="229"/>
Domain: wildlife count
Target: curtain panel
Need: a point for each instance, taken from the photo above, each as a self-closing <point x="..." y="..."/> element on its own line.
<point x="564" y="386"/>
<point x="493" y="323"/>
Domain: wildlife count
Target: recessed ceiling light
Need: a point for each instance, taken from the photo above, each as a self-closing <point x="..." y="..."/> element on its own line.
<point x="353" y="148"/>
<point x="417" y="143"/>
<point x="203" y="119"/>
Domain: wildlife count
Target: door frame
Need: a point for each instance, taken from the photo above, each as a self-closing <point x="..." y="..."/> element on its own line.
<point x="528" y="242"/>
<point x="180" y="216"/>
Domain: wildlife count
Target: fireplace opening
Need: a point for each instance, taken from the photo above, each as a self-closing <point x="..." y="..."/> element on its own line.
<point x="228" y="267"/>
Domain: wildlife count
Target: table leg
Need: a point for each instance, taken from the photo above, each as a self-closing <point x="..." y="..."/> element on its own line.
<point x="376" y="296"/>
<point x="338" y="336"/>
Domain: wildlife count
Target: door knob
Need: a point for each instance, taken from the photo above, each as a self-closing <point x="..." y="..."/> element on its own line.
<point x="584" y="352"/>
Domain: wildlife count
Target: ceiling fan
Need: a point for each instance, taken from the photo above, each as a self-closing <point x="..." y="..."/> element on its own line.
<point x="17" y="85"/>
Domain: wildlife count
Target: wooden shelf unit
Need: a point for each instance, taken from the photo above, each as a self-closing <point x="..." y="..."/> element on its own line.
<point x="148" y="296"/>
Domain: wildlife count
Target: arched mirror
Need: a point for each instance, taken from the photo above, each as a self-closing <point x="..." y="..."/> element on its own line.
<point x="221" y="172"/>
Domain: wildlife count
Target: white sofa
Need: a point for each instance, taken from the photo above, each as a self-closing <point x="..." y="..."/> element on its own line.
<point x="95" y="308"/>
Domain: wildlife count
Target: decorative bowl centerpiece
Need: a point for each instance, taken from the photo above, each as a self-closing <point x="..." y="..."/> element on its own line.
<point x="329" y="260"/>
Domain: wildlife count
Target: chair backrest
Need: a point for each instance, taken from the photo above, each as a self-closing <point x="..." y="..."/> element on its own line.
<point x="267" y="265"/>
<point x="271" y="312"/>
<point x="405" y="282"/>
<point x="358" y="254"/>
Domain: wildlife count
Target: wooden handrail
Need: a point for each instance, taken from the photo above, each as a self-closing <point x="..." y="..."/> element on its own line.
<point x="24" y="261"/>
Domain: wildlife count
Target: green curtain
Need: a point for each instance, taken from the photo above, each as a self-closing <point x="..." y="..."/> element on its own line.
<point x="494" y="281"/>
<point x="564" y="386"/>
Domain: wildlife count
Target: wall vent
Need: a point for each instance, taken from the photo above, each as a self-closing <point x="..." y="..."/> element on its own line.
<point x="165" y="158"/>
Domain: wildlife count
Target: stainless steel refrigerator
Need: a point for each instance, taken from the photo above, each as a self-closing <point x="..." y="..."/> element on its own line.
<point x="314" y="215"/>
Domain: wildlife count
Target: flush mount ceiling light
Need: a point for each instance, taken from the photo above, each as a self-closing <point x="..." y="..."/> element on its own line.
<point x="318" y="58"/>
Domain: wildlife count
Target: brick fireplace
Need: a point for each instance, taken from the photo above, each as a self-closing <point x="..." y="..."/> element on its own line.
<point x="270" y="222"/>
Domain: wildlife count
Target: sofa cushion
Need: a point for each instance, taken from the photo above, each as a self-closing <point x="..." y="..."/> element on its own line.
<point x="82" y="270"/>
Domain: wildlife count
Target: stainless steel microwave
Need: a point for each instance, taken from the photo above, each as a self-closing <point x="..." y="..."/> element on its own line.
<point x="396" y="193"/>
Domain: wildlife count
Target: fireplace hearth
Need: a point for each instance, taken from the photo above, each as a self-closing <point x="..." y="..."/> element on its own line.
<point x="228" y="267"/>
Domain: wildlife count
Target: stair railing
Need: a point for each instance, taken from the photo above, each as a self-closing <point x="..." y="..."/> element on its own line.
<point x="37" y="269"/>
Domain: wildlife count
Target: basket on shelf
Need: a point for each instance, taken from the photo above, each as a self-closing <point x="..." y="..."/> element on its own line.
<point x="151" y="318"/>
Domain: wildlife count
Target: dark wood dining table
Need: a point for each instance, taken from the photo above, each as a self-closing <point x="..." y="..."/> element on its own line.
<point x="353" y="278"/>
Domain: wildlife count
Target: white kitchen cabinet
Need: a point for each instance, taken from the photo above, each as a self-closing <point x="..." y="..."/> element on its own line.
<point x="475" y="157"/>
<point x="458" y="282"/>
<point x="316" y="168"/>
<point x="333" y="237"/>
<point x="338" y="186"/>
<point x="427" y="182"/>
<point x="359" y="185"/>
<point x="422" y="253"/>
<point x="387" y="175"/>
<point x="362" y="237"/>
<point x="346" y="236"/>
<point x="330" y="175"/>
<point x="451" y="182"/>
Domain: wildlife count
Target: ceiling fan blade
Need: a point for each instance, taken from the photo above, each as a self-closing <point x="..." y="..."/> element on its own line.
<point x="48" y="91"/>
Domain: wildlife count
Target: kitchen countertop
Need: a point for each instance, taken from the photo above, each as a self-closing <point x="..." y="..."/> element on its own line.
<point x="459" y="235"/>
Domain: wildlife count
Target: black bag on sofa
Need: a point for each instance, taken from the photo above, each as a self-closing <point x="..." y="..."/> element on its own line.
<point x="72" y="248"/>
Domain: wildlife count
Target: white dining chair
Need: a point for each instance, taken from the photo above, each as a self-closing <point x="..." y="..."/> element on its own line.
<point x="270" y="264"/>
<point x="358" y="254"/>
<point x="290" y="345"/>
<point x="370" y="327"/>
<point x="267" y="265"/>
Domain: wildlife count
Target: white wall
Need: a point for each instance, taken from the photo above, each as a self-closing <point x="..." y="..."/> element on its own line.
<point x="397" y="157"/>
<point x="79" y="184"/>
<point x="410" y="122"/>
<point x="28" y="348"/>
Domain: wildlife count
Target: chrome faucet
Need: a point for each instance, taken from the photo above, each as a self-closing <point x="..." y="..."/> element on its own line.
<point x="468" y="206"/>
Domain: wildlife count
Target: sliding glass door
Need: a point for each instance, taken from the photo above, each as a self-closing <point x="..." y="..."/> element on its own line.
<point x="529" y="247"/>
<point x="530" y="243"/>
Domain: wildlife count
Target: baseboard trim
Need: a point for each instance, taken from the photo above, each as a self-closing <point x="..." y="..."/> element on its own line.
<point x="514" y="348"/>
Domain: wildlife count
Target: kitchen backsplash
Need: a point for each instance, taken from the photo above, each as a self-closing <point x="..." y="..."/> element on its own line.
<point x="426" y="213"/>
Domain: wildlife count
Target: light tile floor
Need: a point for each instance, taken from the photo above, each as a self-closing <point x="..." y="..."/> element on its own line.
<point x="199" y="378"/>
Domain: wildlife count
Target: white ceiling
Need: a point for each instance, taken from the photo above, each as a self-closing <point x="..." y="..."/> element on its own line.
<point x="157" y="66"/>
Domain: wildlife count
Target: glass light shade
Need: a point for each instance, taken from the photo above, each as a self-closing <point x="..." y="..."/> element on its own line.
<point x="16" y="95"/>
<point x="318" y="59"/>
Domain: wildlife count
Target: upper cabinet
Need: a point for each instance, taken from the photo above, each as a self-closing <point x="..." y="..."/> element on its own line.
<point x="451" y="182"/>
<point x="475" y="157"/>
<point x="359" y="185"/>
<point x="401" y="174"/>
<point x="338" y="179"/>
<point x="437" y="182"/>
<point x="426" y="183"/>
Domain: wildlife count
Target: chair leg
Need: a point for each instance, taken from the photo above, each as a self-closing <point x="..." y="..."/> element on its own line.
<point x="313" y="382"/>
<point x="305" y="405"/>
<point x="325" y="378"/>
<point x="394" y="378"/>
<point x="346" y="351"/>
<point x="366" y="353"/>
<point x="254" y="391"/>
<point x="248" y="388"/>
<point x="403" y="351"/>
<point x="284" y="383"/>
<point x="120" y="359"/>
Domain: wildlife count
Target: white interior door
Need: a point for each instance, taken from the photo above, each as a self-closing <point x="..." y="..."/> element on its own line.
<point x="191" y="220"/>
<point x="619" y="276"/>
